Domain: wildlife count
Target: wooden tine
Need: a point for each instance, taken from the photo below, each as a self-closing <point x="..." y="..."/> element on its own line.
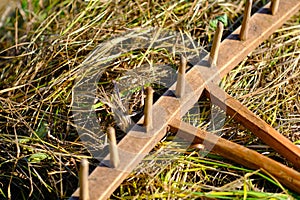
<point x="237" y="153"/>
<point x="179" y="92"/>
<point x="213" y="58"/>
<point x="103" y="180"/>
<point x="83" y="180"/>
<point x="113" y="148"/>
<point x="148" y="122"/>
<point x="274" y="6"/>
<point x="246" y="19"/>
<point x="256" y="125"/>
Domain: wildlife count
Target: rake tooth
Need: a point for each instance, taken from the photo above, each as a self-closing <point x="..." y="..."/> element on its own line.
<point x="213" y="58"/>
<point x="104" y="181"/>
<point x="83" y="180"/>
<point x="246" y="19"/>
<point x="148" y="109"/>
<point x="113" y="149"/>
<point x="274" y="6"/>
<point x="181" y="77"/>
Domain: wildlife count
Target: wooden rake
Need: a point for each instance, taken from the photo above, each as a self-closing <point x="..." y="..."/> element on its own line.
<point x="168" y="110"/>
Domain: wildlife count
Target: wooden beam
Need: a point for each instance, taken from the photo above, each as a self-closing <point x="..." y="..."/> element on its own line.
<point x="256" y="125"/>
<point x="261" y="25"/>
<point x="237" y="153"/>
<point x="135" y="146"/>
<point x="138" y="142"/>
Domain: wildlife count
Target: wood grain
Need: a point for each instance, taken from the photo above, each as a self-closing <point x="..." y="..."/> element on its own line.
<point x="262" y="25"/>
<point x="239" y="154"/>
<point x="256" y="125"/>
<point x="136" y="145"/>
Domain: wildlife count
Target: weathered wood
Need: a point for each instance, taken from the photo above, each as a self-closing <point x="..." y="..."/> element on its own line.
<point x="238" y="153"/>
<point x="83" y="180"/>
<point x="180" y="86"/>
<point x="148" y="119"/>
<point x="216" y="44"/>
<point x="244" y="34"/>
<point x="113" y="148"/>
<point x="138" y="142"/>
<point x="274" y="6"/>
<point x="256" y="125"/>
<point x="259" y="127"/>
<point x="262" y="25"/>
<point x="136" y="145"/>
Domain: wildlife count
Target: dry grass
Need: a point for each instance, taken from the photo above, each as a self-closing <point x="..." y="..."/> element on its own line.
<point x="41" y="49"/>
<point x="267" y="82"/>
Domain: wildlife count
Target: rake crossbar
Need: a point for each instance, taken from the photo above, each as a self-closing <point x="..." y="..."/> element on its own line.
<point x="262" y="25"/>
<point x="137" y="143"/>
<point x="238" y="153"/>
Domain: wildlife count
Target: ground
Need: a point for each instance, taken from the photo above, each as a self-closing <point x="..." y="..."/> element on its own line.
<point x="43" y="44"/>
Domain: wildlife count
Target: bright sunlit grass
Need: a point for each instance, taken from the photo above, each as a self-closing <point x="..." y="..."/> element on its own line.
<point x="42" y="46"/>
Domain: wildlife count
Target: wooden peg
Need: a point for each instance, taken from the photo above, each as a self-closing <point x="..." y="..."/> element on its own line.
<point x="213" y="58"/>
<point x="113" y="148"/>
<point x="246" y="19"/>
<point x="274" y="6"/>
<point x="148" y="109"/>
<point x="83" y="180"/>
<point x="179" y="92"/>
